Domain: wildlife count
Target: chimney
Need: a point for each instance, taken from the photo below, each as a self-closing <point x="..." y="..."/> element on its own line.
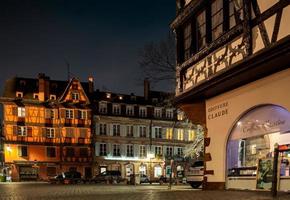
<point x="146" y="88"/>
<point x="91" y="84"/>
<point x="43" y="87"/>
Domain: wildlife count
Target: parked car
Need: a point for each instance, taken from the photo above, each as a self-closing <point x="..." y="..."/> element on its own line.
<point x="71" y="177"/>
<point x="108" y="176"/>
<point x="194" y="176"/>
<point x="144" y="178"/>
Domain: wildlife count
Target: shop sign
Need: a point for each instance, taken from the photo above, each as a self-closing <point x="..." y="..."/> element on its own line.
<point x="261" y="121"/>
<point x="217" y="111"/>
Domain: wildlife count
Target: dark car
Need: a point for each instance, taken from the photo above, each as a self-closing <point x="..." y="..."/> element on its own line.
<point x="108" y="176"/>
<point x="71" y="177"/>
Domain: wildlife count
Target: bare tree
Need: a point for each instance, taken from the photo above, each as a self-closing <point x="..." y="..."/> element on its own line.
<point x="158" y="60"/>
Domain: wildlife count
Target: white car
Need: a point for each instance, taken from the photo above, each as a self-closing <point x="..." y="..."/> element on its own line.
<point x="194" y="176"/>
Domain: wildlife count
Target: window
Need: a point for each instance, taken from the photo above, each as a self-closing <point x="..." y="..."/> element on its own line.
<point x="180" y="115"/>
<point x="108" y="95"/>
<point x="103" y="107"/>
<point x="158" y="132"/>
<point x="116" y="109"/>
<point x="169" y="113"/>
<point x="200" y="31"/>
<point x="70" y="152"/>
<point x="116" y="150"/>
<point x="83" y="133"/>
<point x="49" y="113"/>
<point x="103" y="149"/>
<point x="70" y="132"/>
<point x="179" y="151"/>
<point x="157" y="171"/>
<point x="235" y="12"/>
<point x="169" y="133"/>
<point x="22" y="151"/>
<point x="130" y="110"/>
<point x="75" y="96"/>
<point x="158" y="112"/>
<point x="179" y="134"/>
<point x="116" y="130"/>
<point x="84" y="152"/>
<point x="130" y="152"/>
<point x="187" y="40"/>
<point x="50" y="152"/>
<point x="142" y="131"/>
<point x="82" y="114"/>
<point x="21" y="130"/>
<point x="69" y="114"/>
<point x="50" y="132"/>
<point x="169" y="151"/>
<point x="142" y="111"/>
<point x="129" y="130"/>
<point x="19" y="94"/>
<point x="217" y="18"/>
<point x="142" y="152"/>
<point x="191" y="135"/>
<point x="103" y="129"/>
<point x="158" y="151"/>
<point x="52" y="97"/>
<point x="21" y="112"/>
<point x="35" y="95"/>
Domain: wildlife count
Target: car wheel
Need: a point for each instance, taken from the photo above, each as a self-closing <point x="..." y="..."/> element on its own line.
<point x="195" y="185"/>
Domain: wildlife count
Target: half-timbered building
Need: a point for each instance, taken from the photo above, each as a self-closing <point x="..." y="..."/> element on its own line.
<point x="46" y="127"/>
<point x="233" y="77"/>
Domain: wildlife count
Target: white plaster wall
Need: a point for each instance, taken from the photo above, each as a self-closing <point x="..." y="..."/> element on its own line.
<point x="273" y="89"/>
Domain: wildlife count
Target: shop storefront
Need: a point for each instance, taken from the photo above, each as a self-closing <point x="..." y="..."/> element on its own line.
<point x="244" y="125"/>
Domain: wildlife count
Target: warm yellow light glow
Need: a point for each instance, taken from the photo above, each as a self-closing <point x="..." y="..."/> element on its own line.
<point x="150" y="155"/>
<point x="9" y="149"/>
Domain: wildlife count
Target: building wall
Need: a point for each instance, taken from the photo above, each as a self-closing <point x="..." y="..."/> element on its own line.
<point x="230" y="106"/>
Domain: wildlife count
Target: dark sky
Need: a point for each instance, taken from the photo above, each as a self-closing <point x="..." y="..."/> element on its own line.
<point x="99" y="38"/>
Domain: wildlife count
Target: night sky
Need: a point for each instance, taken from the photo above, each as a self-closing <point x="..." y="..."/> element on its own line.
<point x="98" y="38"/>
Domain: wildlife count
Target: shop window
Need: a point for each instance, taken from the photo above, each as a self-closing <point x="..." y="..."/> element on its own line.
<point x="51" y="152"/>
<point x="157" y="171"/>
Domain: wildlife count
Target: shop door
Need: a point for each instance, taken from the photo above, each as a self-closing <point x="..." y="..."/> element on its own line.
<point x="88" y="172"/>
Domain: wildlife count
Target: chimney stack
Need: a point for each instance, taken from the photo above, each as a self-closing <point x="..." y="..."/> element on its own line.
<point x="146" y="89"/>
<point x="43" y="87"/>
<point x="91" y="84"/>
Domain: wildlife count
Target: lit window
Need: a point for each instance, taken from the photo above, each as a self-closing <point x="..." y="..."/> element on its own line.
<point x="21" y="112"/>
<point x="191" y="135"/>
<point x="180" y="134"/>
<point x="169" y="133"/>
<point x="142" y="111"/>
<point x="35" y="95"/>
<point x="19" y="94"/>
<point x="169" y="113"/>
<point x="69" y="114"/>
<point x="103" y="107"/>
<point x="75" y="96"/>
<point x="21" y="130"/>
<point x="82" y="114"/>
<point x="142" y="152"/>
<point x="50" y="133"/>
<point x="180" y="115"/>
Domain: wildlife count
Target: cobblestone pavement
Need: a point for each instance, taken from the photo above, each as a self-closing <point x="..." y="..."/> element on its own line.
<point x="30" y="191"/>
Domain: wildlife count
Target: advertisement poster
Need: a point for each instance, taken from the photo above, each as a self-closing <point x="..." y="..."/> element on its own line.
<point x="264" y="174"/>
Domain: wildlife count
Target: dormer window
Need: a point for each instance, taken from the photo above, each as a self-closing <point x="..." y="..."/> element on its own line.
<point x="52" y="97"/>
<point x="142" y="111"/>
<point x="21" y="111"/>
<point x="108" y="95"/>
<point x="75" y="96"/>
<point x="120" y="97"/>
<point x="130" y="110"/>
<point x="35" y="96"/>
<point x="103" y="107"/>
<point x="116" y="109"/>
<point x="158" y="112"/>
<point x="133" y="98"/>
<point x="19" y="94"/>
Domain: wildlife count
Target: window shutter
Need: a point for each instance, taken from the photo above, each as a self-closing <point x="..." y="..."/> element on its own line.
<point x="29" y="131"/>
<point x="135" y="131"/>
<point x="123" y="148"/>
<point x="15" y="131"/>
<point x="76" y="114"/>
<point x="43" y="131"/>
<point x="136" y="150"/>
<point x="14" y="111"/>
<point x="123" y="130"/>
<point x="97" y="128"/>
<point x="57" y="133"/>
<point x="109" y="149"/>
<point x="62" y="113"/>
<point x="97" y="149"/>
<point x="163" y="132"/>
<point x="164" y="150"/>
<point x="152" y="132"/>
